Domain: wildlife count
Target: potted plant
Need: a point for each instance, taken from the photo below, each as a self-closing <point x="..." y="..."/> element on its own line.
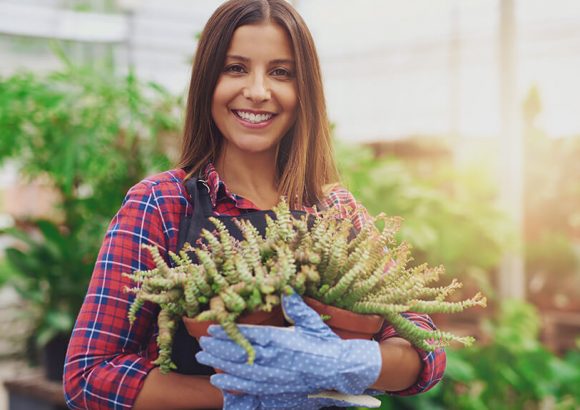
<point x="320" y="257"/>
<point x="232" y="281"/>
<point x="89" y="136"/>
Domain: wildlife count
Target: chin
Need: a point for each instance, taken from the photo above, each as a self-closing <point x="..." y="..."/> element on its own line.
<point x="254" y="147"/>
<point x="256" y="150"/>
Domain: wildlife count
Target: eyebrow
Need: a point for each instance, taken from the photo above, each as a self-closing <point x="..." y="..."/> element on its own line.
<point x="245" y="59"/>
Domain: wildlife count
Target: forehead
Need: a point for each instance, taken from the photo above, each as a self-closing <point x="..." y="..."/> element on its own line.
<point x="267" y="40"/>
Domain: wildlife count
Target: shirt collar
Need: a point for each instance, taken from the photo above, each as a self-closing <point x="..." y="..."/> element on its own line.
<point x="218" y="190"/>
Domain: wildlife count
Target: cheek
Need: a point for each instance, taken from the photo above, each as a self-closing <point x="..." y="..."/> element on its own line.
<point x="290" y="101"/>
<point x="217" y="99"/>
<point x="219" y="110"/>
<point x="222" y="94"/>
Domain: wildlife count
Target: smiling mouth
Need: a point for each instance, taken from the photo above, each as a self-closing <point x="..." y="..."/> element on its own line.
<point x="252" y="117"/>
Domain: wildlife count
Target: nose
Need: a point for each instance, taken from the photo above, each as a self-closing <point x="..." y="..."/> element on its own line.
<point x="257" y="89"/>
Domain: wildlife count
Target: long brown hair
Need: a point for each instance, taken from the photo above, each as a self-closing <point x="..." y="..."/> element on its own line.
<point x="305" y="157"/>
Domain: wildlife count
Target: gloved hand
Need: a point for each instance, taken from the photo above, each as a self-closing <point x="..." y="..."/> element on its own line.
<point x="306" y="358"/>
<point x="298" y="401"/>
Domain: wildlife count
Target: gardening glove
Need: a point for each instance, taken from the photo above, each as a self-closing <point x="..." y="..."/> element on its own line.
<point x="297" y="401"/>
<point x="306" y="358"/>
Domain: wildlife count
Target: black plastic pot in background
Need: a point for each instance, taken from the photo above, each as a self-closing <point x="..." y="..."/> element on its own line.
<point x="53" y="355"/>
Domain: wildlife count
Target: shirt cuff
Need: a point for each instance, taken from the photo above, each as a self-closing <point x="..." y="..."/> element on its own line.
<point x="432" y="363"/>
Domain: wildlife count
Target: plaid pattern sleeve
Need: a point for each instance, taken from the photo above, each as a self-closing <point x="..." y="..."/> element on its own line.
<point x="108" y="358"/>
<point x="433" y="363"/>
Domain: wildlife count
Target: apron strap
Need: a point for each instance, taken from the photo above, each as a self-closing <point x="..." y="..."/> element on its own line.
<point x="190" y="227"/>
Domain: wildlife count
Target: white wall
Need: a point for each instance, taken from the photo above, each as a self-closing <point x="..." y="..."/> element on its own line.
<point x="386" y="63"/>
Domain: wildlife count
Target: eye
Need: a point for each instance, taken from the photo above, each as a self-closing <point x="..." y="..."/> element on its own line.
<point x="235" y="68"/>
<point x="281" y="72"/>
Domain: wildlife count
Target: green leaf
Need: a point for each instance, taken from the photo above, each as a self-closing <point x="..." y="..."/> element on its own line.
<point x="45" y="335"/>
<point x="53" y="237"/>
<point x="90" y="135"/>
<point x="60" y="321"/>
<point x="19" y="234"/>
<point x="21" y="261"/>
<point x="459" y="369"/>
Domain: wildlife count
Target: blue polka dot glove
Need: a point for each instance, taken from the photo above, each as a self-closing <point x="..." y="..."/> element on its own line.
<point x="296" y="401"/>
<point x="306" y="358"/>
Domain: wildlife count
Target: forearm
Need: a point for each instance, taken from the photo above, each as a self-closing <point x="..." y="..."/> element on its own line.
<point x="401" y="365"/>
<point x="174" y="391"/>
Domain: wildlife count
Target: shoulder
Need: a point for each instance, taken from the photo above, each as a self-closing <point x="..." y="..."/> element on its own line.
<point x="164" y="187"/>
<point x="158" y="200"/>
<point x="163" y="193"/>
<point x="338" y="197"/>
<point x="167" y="180"/>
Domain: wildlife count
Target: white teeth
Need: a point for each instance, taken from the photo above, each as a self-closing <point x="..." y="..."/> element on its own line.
<point x="253" y="118"/>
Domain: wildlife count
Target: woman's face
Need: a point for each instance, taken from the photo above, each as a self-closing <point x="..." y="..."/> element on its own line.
<point x="255" y="98"/>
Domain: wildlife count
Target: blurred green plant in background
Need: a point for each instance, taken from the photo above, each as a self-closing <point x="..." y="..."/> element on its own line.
<point x="449" y="216"/>
<point x="552" y="213"/>
<point x="513" y="371"/>
<point x="89" y="135"/>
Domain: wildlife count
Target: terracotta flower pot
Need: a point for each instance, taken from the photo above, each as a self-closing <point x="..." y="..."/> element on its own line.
<point x="197" y="328"/>
<point x="275" y="317"/>
<point x="346" y="324"/>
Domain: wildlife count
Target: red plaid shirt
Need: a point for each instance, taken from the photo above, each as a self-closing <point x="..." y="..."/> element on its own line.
<point x="108" y="359"/>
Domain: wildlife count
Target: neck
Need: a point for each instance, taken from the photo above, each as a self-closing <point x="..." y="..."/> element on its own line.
<point x="253" y="176"/>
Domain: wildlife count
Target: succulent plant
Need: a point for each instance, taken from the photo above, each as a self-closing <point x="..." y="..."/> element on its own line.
<point x="317" y="255"/>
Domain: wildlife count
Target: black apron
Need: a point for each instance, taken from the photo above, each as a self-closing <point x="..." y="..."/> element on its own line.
<point x="184" y="346"/>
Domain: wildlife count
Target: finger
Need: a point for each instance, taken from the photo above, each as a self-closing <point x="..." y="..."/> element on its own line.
<point x="212" y="361"/>
<point x="224" y="349"/>
<point x="240" y="402"/>
<point x="287" y="342"/>
<point x="229" y="350"/>
<point x="287" y="401"/>
<point x="322" y="358"/>
<point x="256" y="334"/>
<point x="252" y="372"/>
<point x="228" y="382"/>
<point x="304" y="317"/>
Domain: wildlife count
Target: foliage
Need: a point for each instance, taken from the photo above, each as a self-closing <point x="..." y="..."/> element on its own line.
<point x="317" y="255"/>
<point x="551" y="253"/>
<point x="49" y="273"/>
<point x="90" y="136"/>
<point x="552" y="198"/>
<point x="450" y="218"/>
<point x="551" y="208"/>
<point x="513" y="371"/>
<point x="6" y="271"/>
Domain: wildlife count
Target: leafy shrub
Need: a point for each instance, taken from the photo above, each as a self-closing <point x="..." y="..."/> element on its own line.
<point x="513" y="371"/>
<point x="89" y="135"/>
<point x="460" y="227"/>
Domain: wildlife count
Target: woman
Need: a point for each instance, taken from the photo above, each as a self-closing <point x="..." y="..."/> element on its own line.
<point x="256" y="129"/>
